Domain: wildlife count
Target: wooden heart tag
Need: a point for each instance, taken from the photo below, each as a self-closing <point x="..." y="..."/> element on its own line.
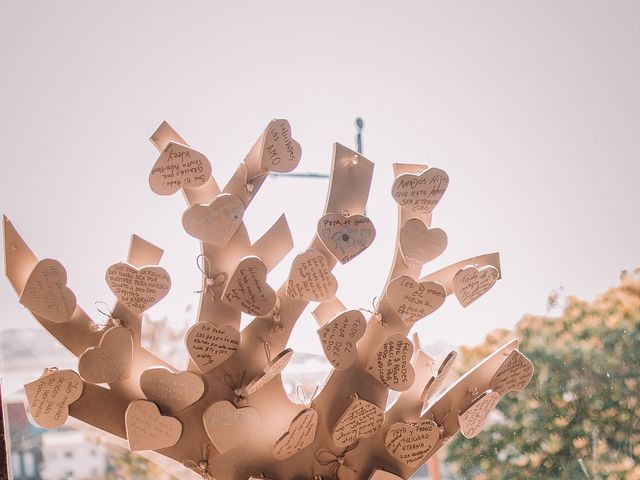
<point x="147" y="429"/>
<point x="379" y="474"/>
<point x="110" y="361"/>
<point x="247" y="289"/>
<point x="420" y="244"/>
<point x="390" y="365"/>
<point x="172" y="392"/>
<point x="46" y="293"/>
<point x="471" y="282"/>
<point x="49" y="397"/>
<point x="340" y="336"/>
<point x="209" y="345"/>
<point x="272" y="370"/>
<point x="310" y="278"/>
<point x="215" y="223"/>
<point x="514" y="374"/>
<point x="435" y="383"/>
<point x="178" y="166"/>
<point x="473" y="418"/>
<point x="299" y="435"/>
<point x="280" y="152"/>
<point x="228" y="426"/>
<point x="420" y="193"/>
<point x="361" y="419"/>
<point x="413" y="301"/>
<point x="138" y="289"/>
<point x="345" y="236"/>
<point x="412" y="442"/>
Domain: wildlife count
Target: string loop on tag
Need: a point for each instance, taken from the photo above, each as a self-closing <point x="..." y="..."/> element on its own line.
<point x="201" y="467"/>
<point x="211" y="281"/>
<point x="440" y="425"/>
<point x="275" y="316"/>
<point x="344" y="212"/>
<point x="355" y="160"/>
<point x="307" y="402"/>
<point x="111" y="321"/>
<point x="237" y="389"/>
<point x="267" y="350"/>
<point x="375" y="303"/>
<point x="249" y="186"/>
<point x="335" y="461"/>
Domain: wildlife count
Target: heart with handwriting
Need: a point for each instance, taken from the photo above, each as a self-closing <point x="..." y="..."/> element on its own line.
<point x="171" y="391"/>
<point x="390" y="364"/>
<point x="272" y="370"/>
<point x="473" y="418"/>
<point x="138" y="289"/>
<point x="247" y="289"/>
<point x="362" y="419"/>
<point x="110" y="361"/>
<point x="514" y="374"/>
<point x="49" y="397"/>
<point x="46" y="293"/>
<point x="310" y="278"/>
<point x="228" y="426"/>
<point x="413" y="300"/>
<point x="420" y="193"/>
<point x="471" y="282"/>
<point x="340" y="336"/>
<point x="299" y="435"/>
<point x="178" y="166"/>
<point x="209" y="345"/>
<point x="420" y="244"/>
<point x="147" y="429"/>
<point x="346" y="236"/>
<point x="215" y="223"/>
<point x="412" y="442"/>
<point x="280" y="152"/>
<point x="436" y="381"/>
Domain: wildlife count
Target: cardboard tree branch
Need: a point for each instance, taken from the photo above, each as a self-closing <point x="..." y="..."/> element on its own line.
<point x="227" y="416"/>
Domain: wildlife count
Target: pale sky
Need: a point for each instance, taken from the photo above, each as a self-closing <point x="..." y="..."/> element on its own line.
<point x="533" y="109"/>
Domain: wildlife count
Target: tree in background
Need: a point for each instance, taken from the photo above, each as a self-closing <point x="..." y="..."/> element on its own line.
<point x="580" y="416"/>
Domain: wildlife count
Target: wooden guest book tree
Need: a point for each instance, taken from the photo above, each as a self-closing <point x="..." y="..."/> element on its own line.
<point x="227" y="415"/>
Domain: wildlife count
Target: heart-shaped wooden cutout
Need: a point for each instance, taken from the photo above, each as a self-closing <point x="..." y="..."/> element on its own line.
<point x="435" y="383"/>
<point x="110" y="361"/>
<point x="346" y="237"/>
<point x="46" y="293"/>
<point x="272" y="370"/>
<point x="514" y="374"/>
<point x="340" y="336"/>
<point x="300" y="434"/>
<point x="379" y="474"/>
<point x="412" y="442"/>
<point x="228" y="426"/>
<point x="471" y="282"/>
<point x="49" y="397"/>
<point x="178" y="166"/>
<point x="361" y="419"/>
<point x="391" y="363"/>
<point x="310" y="278"/>
<point x="247" y="290"/>
<point x="209" y="345"/>
<point x="473" y="418"/>
<point x="147" y="429"/>
<point x="420" y="193"/>
<point x="138" y="289"/>
<point x="171" y="391"/>
<point x="420" y="244"/>
<point x="412" y="300"/>
<point x="280" y="152"/>
<point x="215" y="223"/>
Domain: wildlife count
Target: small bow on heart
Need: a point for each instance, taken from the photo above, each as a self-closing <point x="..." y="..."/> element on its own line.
<point x="201" y="467"/>
<point x="336" y="461"/>
<point x="211" y="281"/>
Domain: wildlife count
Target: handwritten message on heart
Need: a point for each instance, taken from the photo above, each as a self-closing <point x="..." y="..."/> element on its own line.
<point x="420" y="244"/>
<point x="110" y="361"/>
<point x="46" y="292"/>
<point x="138" y="289"/>
<point x="228" y="426"/>
<point x="247" y="289"/>
<point x="514" y="374"/>
<point x="470" y="283"/>
<point x="390" y="365"/>
<point x="209" y="345"/>
<point x="361" y="419"/>
<point x="435" y="383"/>
<point x="379" y="474"/>
<point x="412" y="300"/>
<point x="310" y="278"/>
<point x="301" y="433"/>
<point x="420" y="193"/>
<point x="272" y="370"/>
<point x="215" y="223"/>
<point x="346" y="237"/>
<point x="340" y="336"/>
<point x="280" y="152"/>
<point x="178" y="166"/>
<point x="473" y="418"/>
<point x="147" y="429"/>
<point x="49" y="397"/>
<point x="412" y="442"/>
<point x="171" y="391"/>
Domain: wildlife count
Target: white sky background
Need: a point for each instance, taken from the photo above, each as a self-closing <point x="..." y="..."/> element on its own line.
<point x="533" y="108"/>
